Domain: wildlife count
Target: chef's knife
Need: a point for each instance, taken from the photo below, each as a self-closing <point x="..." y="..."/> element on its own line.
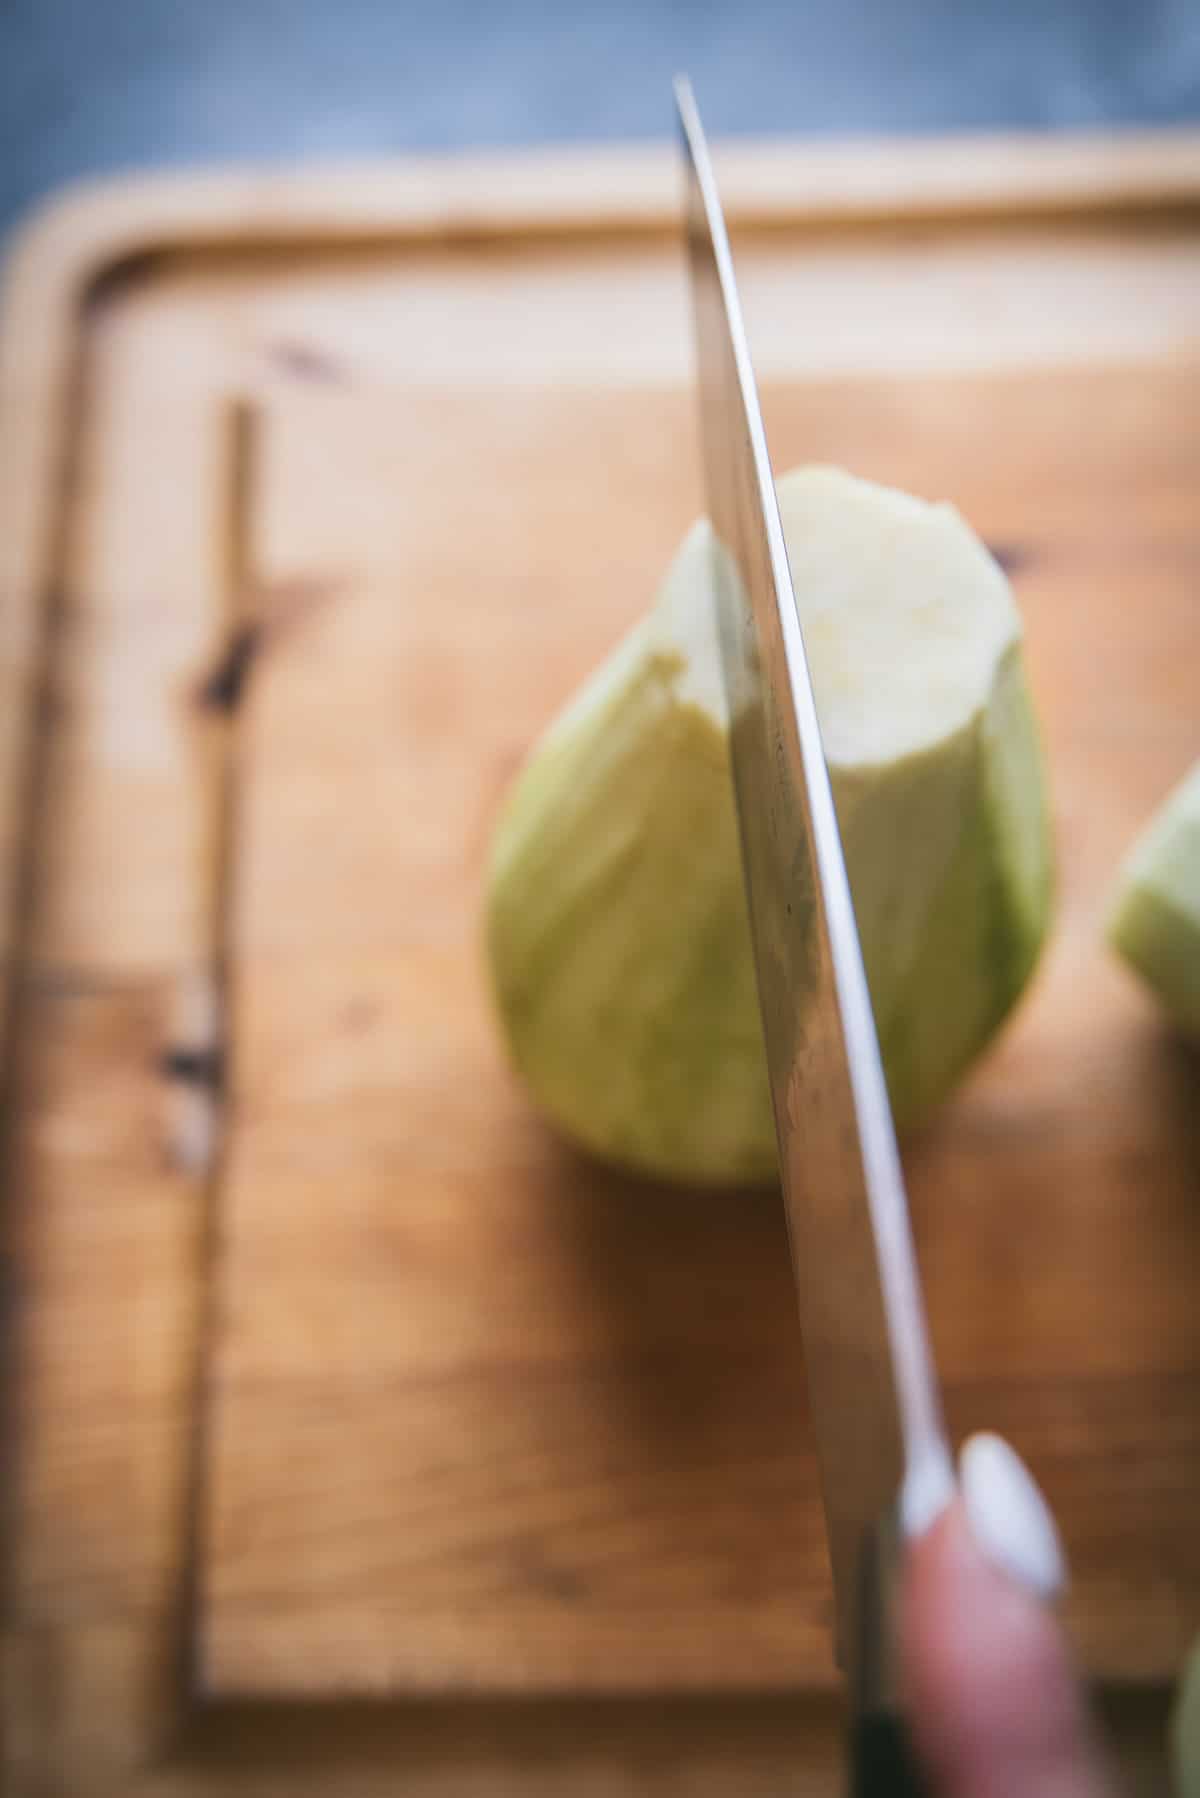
<point x="876" y="1415"/>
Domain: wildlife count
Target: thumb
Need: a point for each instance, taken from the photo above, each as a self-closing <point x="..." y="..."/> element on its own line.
<point x="995" y="1706"/>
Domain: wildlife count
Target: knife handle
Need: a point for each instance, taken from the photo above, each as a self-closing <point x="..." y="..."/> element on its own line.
<point x="882" y="1763"/>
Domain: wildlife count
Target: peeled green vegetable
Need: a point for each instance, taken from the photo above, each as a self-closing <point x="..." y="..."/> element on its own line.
<point x="616" y="924"/>
<point x="1155" y="918"/>
<point x="1185" y="1728"/>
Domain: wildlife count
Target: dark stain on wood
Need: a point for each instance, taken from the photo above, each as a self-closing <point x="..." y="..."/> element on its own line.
<point x="193" y="1067"/>
<point x="223" y="687"/>
<point x="306" y="360"/>
<point x="359" y="1014"/>
<point x="273" y="611"/>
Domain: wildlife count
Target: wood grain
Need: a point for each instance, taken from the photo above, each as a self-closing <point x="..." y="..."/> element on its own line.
<point x="489" y="1418"/>
<point x="132" y="313"/>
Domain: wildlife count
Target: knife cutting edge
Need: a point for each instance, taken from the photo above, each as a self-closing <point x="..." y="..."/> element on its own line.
<point x="881" y="1444"/>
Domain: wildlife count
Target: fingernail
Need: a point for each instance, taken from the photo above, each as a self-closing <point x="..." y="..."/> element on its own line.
<point x="1009" y="1518"/>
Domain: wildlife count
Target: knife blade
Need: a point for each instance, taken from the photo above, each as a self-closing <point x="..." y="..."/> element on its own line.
<point x="876" y="1414"/>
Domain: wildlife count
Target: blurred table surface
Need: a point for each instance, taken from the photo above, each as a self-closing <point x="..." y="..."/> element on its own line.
<point x="89" y="88"/>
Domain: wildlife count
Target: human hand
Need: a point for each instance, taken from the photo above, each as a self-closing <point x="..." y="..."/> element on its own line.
<point x="996" y="1708"/>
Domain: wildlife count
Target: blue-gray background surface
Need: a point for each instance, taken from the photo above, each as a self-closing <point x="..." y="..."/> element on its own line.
<point x="90" y="85"/>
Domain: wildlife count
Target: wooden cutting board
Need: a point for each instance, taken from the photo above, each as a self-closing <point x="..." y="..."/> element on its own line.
<point x="337" y="1378"/>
